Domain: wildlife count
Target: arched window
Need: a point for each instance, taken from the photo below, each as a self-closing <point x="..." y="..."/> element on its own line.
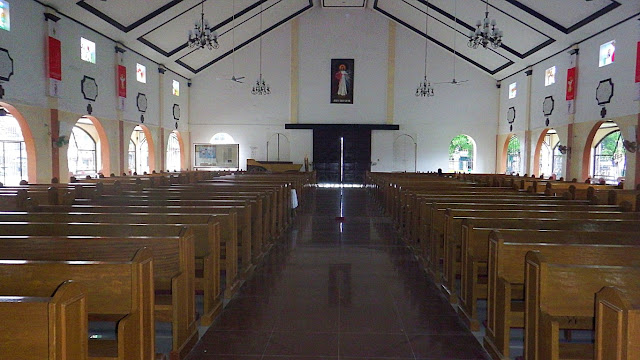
<point x="13" y="153"/>
<point x="173" y="152"/>
<point x="462" y="154"/>
<point x="82" y="156"/>
<point x="140" y="163"/>
<point x="513" y="155"/>
<point x="609" y="160"/>
<point x="222" y="138"/>
<point x="550" y="156"/>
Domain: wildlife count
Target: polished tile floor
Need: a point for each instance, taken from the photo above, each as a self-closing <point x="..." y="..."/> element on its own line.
<point x="339" y="285"/>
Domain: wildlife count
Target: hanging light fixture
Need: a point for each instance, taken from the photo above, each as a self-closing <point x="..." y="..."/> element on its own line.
<point x="261" y="87"/>
<point x="202" y="36"/>
<point x="424" y="88"/>
<point x="487" y="33"/>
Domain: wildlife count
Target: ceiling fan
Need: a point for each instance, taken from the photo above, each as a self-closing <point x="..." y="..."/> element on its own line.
<point x="455" y="23"/>
<point x="235" y="78"/>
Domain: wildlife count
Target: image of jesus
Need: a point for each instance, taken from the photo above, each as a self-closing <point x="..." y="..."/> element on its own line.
<point x="343" y="80"/>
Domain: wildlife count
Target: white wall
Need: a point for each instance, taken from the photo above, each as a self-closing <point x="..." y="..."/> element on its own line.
<point x="327" y="34"/>
<point x="27" y="89"/>
<point x="221" y="106"/>
<point x="469" y="108"/>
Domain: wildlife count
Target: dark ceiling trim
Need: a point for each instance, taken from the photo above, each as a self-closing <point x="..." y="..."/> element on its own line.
<point x="442" y="45"/>
<point x="216" y="27"/>
<point x="195" y="71"/>
<point x="614" y="4"/>
<point x="579" y="42"/>
<point x="105" y="36"/>
<point x="83" y="4"/>
<point x="505" y="47"/>
<point x="342" y="126"/>
<point x="364" y="2"/>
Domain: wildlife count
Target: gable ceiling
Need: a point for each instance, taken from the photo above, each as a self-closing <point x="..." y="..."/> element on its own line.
<point x="533" y="29"/>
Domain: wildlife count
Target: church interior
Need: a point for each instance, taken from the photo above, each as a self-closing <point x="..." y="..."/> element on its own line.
<point x="330" y="154"/>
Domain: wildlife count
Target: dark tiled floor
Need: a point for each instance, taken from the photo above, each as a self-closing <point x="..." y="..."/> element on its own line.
<point x="338" y="290"/>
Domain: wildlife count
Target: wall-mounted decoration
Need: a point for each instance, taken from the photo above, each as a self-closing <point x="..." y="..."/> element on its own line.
<point x="89" y="109"/>
<point x="6" y="65"/>
<point x="5" y="15"/>
<point x="216" y="156"/>
<point x="604" y="93"/>
<point x="1" y="91"/>
<point x="176" y="112"/>
<point x="87" y="50"/>
<point x="547" y="108"/>
<point x="89" y="88"/>
<point x="342" y="76"/>
<point x="511" y="117"/>
<point x="141" y="102"/>
<point x="142" y="118"/>
<point x="572" y="82"/>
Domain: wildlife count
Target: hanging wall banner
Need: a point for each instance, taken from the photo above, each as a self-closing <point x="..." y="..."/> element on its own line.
<point x="54" y="59"/>
<point x="572" y="84"/>
<point x="637" y="97"/>
<point x="122" y="86"/>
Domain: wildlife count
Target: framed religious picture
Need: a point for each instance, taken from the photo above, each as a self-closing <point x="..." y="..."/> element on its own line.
<point x="342" y="76"/>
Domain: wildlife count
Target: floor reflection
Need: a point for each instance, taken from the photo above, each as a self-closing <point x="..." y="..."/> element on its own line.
<point x="338" y="285"/>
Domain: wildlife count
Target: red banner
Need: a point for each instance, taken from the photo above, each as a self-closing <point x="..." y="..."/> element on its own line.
<point x="122" y="81"/>
<point x="55" y="59"/>
<point x="571" y="84"/>
<point x="638" y="63"/>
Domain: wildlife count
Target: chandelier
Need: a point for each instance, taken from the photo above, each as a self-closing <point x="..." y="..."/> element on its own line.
<point x="202" y="36"/>
<point x="261" y="87"/>
<point x="424" y="88"/>
<point x="487" y="33"/>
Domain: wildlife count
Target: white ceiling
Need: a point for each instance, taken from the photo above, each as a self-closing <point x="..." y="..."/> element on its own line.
<point x="533" y="29"/>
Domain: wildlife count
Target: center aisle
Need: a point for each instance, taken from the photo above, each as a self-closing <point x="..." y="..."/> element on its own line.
<point x="339" y="285"/>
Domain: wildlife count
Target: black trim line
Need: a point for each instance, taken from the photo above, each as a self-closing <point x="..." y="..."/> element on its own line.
<point x="614" y="4"/>
<point x="195" y="71"/>
<point x="120" y="26"/>
<point x="442" y="45"/>
<point x="299" y="126"/>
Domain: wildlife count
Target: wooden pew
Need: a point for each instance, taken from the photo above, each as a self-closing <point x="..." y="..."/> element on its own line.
<point x="474" y="250"/>
<point x="173" y="251"/>
<point x="121" y="292"/>
<point x="505" y="285"/>
<point x="617" y="324"/>
<point x="434" y="216"/>
<point x="243" y="207"/>
<point x="206" y="230"/>
<point x="51" y="327"/>
<point x="435" y="222"/>
<point x="228" y="234"/>
<point x="561" y="295"/>
<point x="453" y="223"/>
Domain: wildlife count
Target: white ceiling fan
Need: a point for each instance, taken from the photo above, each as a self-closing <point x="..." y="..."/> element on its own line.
<point x="455" y="23"/>
<point x="235" y="78"/>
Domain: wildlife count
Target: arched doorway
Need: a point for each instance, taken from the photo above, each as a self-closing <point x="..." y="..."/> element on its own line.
<point x="606" y="154"/>
<point x="88" y="152"/>
<point x="462" y="154"/>
<point x="513" y="156"/>
<point x="278" y="147"/>
<point x="141" y="157"/>
<point x="548" y="158"/>
<point x="404" y="153"/>
<point x="174" y="152"/>
<point x="17" y="148"/>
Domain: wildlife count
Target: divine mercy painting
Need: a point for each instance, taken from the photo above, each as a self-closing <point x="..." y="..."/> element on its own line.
<point x="342" y="81"/>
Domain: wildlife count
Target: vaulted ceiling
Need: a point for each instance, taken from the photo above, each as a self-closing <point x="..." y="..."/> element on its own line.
<point x="533" y="29"/>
